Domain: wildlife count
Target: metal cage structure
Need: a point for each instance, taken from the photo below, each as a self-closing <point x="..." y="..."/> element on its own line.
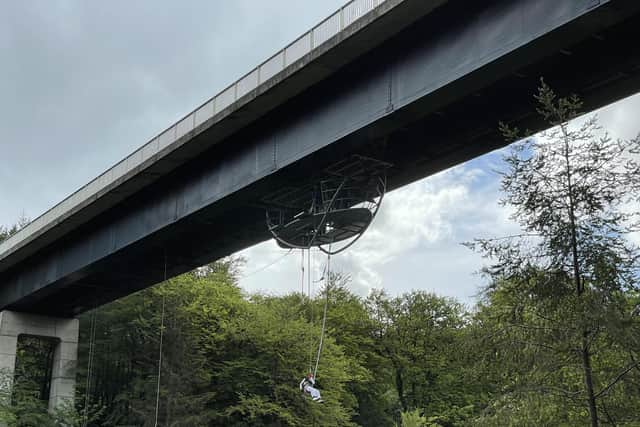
<point x="336" y="207"/>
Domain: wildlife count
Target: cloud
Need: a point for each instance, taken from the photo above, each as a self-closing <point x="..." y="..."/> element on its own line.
<point x="620" y="118"/>
<point x="86" y="83"/>
<point x="418" y="215"/>
<point x="420" y="230"/>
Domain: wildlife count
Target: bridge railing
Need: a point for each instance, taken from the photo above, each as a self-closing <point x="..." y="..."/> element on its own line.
<point x="331" y="26"/>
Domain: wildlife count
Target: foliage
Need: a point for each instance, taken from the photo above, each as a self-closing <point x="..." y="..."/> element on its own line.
<point x="420" y="335"/>
<point x="6" y="232"/>
<point x="558" y="310"/>
<point x="413" y="419"/>
<point x="235" y="359"/>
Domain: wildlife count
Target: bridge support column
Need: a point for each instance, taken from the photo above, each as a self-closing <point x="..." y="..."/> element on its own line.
<point x="65" y="331"/>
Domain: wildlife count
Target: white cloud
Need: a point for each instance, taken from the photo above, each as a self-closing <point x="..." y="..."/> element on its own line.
<point x="416" y="242"/>
<point x="620" y="118"/>
<point x="418" y="215"/>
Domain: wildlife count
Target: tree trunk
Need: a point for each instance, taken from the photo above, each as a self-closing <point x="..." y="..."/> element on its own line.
<point x="400" y="388"/>
<point x="588" y="382"/>
<point x="586" y="356"/>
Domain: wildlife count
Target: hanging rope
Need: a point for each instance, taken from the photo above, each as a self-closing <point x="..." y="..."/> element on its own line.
<point x="336" y="223"/>
<point x="324" y="318"/>
<point x="308" y="294"/>
<point x="310" y="307"/>
<point x="309" y="271"/>
<point x="324" y="314"/>
<point x="92" y="339"/>
<point x="302" y="271"/>
<point x="160" y="346"/>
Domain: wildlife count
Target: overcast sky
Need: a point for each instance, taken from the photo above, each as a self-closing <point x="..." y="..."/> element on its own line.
<point x="83" y="84"/>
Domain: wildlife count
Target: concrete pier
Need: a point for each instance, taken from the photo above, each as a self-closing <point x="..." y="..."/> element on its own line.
<point x="64" y="331"/>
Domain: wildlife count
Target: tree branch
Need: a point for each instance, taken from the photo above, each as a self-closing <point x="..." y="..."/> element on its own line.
<point x="616" y="379"/>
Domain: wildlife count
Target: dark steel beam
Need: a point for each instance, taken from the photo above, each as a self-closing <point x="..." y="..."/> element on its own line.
<point x="426" y="99"/>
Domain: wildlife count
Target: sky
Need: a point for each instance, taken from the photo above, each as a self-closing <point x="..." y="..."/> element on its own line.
<point x="84" y="84"/>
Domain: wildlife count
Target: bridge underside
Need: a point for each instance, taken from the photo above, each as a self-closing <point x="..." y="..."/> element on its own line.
<point x="427" y="99"/>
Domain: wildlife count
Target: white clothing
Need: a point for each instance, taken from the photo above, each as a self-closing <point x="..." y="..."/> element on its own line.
<point x="307" y="384"/>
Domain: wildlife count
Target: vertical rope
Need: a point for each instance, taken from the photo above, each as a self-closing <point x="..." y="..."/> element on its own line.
<point x="160" y="346"/>
<point x="308" y="295"/>
<point x="302" y="271"/>
<point x="324" y="315"/>
<point x="92" y="337"/>
<point x="309" y="271"/>
<point x="310" y="306"/>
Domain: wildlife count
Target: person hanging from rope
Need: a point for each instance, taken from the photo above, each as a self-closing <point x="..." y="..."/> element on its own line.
<point x="308" y="385"/>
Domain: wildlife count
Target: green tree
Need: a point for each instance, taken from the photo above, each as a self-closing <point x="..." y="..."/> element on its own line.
<point x="350" y="324"/>
<point x="6" y="232"/>
<point x="228" y="358"/>
<point x="124" y="376"/>
<point x="561" y="291"/>
<point x="419" y="334"/>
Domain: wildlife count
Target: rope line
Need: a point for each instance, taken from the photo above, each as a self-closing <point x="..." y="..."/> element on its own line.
<point x="264" y="267"/>
<point x="160" y="346"/>
<point x="302" y="271"/>
<point x="368" y="196"/>
<point x="324" y="315"/>
<point x="310" y="306"/>
<point x="92" y="338"/>
<point x="309" y="282"/>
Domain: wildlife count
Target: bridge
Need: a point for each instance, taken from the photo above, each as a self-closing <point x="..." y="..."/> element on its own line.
<point x="420" y="84"/>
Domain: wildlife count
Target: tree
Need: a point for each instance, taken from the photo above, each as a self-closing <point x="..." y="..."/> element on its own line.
<point x="418" y="333"/>
<point x="228" y="358"/>
<point x="349" y="323"/>
<point x="563" y="288"/>
<point x="6" y="232"/>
